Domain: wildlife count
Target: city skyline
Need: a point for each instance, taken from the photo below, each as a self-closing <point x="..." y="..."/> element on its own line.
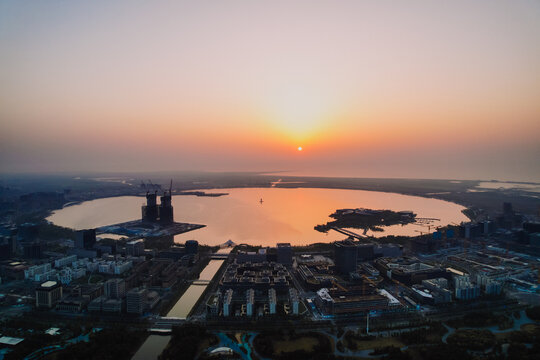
<point x="369" y="89"/>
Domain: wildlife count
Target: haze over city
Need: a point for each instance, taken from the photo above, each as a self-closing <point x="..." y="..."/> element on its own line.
<point x="417" y="89"/>
<point x="286" y="179"/>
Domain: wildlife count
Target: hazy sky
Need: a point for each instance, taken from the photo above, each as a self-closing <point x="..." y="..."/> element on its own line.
<point x="425" y="89"/>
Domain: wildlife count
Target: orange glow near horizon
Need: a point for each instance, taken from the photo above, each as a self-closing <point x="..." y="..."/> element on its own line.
<point x="370" y="88"/>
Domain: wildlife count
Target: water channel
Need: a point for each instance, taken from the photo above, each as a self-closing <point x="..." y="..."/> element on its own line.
<point x="154" y="344"/>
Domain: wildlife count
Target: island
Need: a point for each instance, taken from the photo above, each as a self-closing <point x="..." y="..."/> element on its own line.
<point x="366" y="219"/>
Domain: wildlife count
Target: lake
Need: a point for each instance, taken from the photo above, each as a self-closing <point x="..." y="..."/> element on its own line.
<point x="285" y="215"/>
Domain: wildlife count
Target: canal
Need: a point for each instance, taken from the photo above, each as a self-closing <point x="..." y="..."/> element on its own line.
<point x="154" y="344"/>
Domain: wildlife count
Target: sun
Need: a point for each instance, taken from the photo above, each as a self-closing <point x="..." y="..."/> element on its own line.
<point x="299" y="148"/>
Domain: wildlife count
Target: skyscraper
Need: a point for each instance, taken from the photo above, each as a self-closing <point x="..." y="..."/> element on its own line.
<point x="85" y="239"/>
<point x="150" y="210"/>
<point x="346" y="256"/>
<point x="284" y="253"/>
<point x="165" y="208"/>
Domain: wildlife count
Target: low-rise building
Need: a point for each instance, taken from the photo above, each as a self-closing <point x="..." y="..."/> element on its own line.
<point x="328" y="303"/>
<point x="65" y="261"/>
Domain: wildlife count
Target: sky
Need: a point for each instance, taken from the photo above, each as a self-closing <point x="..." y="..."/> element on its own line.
<point x="417" y="89"/>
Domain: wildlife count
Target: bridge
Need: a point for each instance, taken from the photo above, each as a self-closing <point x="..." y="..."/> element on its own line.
<point x="200" y="282"/>
<point x="350" y="233"/>
<point x="164" y="324"/>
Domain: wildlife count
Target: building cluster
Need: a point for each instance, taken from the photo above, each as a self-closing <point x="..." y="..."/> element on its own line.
<point x="282" y="254"/>
<point x="116" y="299"/>
<point x="67" y="269"/>
<point x="257" y="284"/>
<point x="259" y="275"/>
<point x="129" y="284"/>
<point x="254" y="303"/>
<point x="348" y="253"/>
<point x="342" y="300"/>
<point x="314" y="271"/>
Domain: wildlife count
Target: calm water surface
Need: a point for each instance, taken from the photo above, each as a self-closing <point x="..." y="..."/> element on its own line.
<point x="154" y="344"/>
<point x="151" y="348"/>
<point x="286" y="215"/>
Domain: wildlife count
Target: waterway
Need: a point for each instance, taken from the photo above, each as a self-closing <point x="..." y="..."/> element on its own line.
<point x="154" y="344"/>
<point x="284" y="215"/>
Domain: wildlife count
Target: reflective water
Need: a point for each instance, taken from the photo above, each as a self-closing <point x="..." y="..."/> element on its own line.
<point x="285" y="215"/>
<point x="154" y="344"/>
<point x="151" y="348"/>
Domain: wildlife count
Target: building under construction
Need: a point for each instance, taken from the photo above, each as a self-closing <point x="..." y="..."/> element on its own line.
<point x="163" y="213"/>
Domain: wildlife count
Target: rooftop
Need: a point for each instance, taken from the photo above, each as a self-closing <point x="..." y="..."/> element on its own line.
<point x="48" y="284"/>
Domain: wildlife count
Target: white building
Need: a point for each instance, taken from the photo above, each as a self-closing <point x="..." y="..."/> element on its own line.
<point x="68" y="260"/>
<point x="32" y="271"/>
<point x="272" y="300"/>
<point x="79" y="272"/>
<point x="121" y="267"/>
<point x="227" y="300"/>
<point x="250" y="302"/>
<point x="465" y="289"/>
<point x="65" y="276"/>
<point x="293" y="297"/>
<point x="49" y="275"/>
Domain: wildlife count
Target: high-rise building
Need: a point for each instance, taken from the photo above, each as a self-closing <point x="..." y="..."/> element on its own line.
<point x="163" y="213"/>
<point x="115" y="288"/>
<point x="33" y="250"/>
<point x="85" y="239"/>
<point x="284" y="254"/>
<point x="135" y="247"/>
<point x="47" y="294"/>
<point x="295" y="301"/>
<point x="227" y="302"/>
<point x="507" y="209"/>
<point x="150" y="210"/>
<point x="366" y="252"/>
<point x="192" y="247"/>
<point x="272" y="300"/>
<point x="136" y="301"/>
<point x="166" y="215"/>
<point x="346" y="255"/>
<point x="250" y="302"/>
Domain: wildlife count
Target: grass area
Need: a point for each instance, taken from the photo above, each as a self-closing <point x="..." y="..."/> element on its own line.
<point x="287" y="345"/>
<point x="305" y="343"/>
<point x="375" y="343"/>
<point x="531" y="328"/>
<point x="187" y="342"/>
<point x="482" y="319"/>
<point x="472" y="339"/>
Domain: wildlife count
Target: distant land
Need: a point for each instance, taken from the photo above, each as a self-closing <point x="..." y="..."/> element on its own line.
<point x="82" y="187"/>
